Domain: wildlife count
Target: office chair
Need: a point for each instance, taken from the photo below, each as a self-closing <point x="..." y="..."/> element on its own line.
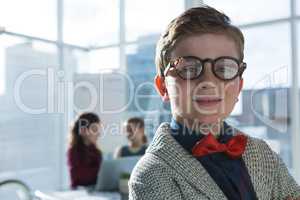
<point x="14" y="190"/>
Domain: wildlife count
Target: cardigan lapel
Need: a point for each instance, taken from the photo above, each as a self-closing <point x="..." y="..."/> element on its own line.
<point x="258" y="167"/>
<point x="166" y="147"/>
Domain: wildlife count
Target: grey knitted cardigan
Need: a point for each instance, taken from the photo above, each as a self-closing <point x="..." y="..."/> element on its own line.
<point x="167" y="171"/>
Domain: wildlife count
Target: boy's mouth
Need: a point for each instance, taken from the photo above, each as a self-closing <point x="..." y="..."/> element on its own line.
<point x="207" y="101"/>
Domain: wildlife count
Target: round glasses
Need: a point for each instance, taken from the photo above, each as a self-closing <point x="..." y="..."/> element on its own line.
<point x="225" y="68"/>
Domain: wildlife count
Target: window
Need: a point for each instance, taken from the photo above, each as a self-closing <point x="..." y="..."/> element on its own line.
<point x="31" y="17"/>
<point x="244" y="12"/>
<point x="91" y="22"/>
<point x="144" y="100"/>
<point x="98" y="60"/>
<point x="143" y="29"/>
<point x="298" y="7"/>
<point x="29" y="128"/>
<point x="145" y="18"/>
<point x="268" y="58"/>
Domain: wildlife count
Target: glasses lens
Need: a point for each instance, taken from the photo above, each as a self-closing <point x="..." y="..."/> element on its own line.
<point x="226" y="68"/>
<point x="188" y="68"/>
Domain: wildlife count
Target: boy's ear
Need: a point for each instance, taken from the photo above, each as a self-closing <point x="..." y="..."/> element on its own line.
<point x="161" y="88"/>
<point x="241" y="84"/>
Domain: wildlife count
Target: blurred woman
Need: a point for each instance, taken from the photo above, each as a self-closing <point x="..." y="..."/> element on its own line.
<point x="135" y="133"/>
<point x="84" y="156"/>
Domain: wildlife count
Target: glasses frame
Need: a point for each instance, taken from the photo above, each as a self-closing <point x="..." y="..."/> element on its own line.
<point x="172" y="64"/>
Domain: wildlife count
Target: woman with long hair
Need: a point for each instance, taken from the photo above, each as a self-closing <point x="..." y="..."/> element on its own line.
<point x="84" y="156"/>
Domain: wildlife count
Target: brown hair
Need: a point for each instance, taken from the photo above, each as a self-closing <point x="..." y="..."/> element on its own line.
<point x="198" y="20"/>
<point x="83" y="121"/>
<point x="138" y="123"/>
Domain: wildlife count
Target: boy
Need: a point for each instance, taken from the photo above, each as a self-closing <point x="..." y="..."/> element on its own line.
<point x="198" y="156"/>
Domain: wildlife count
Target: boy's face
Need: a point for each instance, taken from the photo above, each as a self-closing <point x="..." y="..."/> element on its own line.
<point x="206" y="99"/>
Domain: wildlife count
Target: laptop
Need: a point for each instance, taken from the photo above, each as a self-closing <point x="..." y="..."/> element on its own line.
<point x="111" y="170"/>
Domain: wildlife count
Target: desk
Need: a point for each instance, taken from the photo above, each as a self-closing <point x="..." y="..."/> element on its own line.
<point x="80" y="195"/>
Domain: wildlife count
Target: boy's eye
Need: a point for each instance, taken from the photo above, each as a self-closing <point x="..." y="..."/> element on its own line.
<point x="189" y="71"/>
<point x="227" y="68"/>
<point x="222" y="68"/>
<point x="226" y="71"/>
<point x="189" y="68"/>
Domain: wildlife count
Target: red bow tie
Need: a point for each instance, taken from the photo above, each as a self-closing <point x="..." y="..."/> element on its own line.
<point x="234" y="148"/>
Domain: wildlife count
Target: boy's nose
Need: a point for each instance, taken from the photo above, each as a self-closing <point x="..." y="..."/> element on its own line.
<point x="208" y="74"/>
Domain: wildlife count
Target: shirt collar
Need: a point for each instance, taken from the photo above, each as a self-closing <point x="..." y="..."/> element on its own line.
<point x="188" y="138"/>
